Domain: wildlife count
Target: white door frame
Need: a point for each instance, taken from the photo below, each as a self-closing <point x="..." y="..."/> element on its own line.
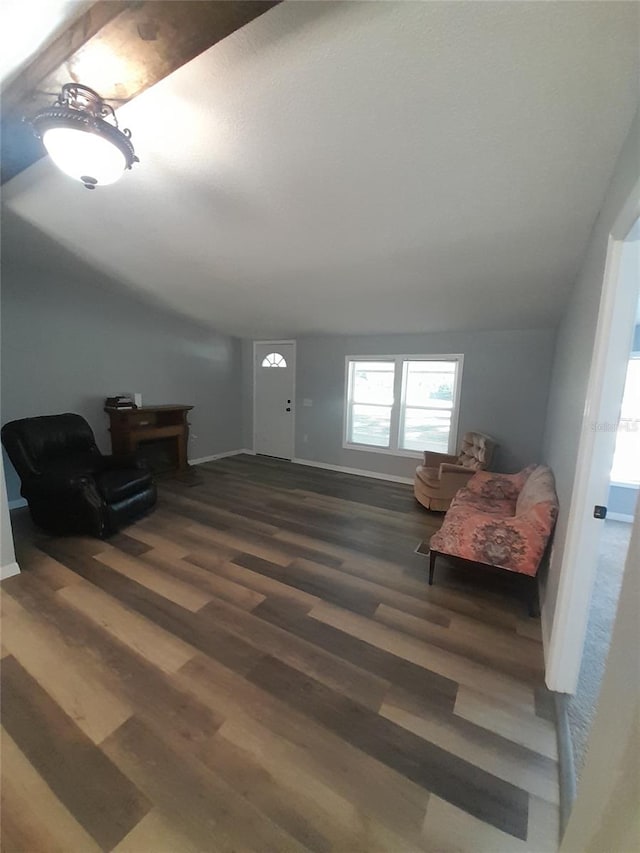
<point x="293" y="398"/>
<point x="574" y="591"/>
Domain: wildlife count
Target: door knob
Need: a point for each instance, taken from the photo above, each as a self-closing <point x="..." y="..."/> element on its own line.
<point x="288" y="409"/>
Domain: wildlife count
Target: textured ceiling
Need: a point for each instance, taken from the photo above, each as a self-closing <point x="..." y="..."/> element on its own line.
<point x="365" y="167"/>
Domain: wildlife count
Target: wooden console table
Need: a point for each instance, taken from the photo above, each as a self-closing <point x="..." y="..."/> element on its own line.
<point x="133" y="427"/>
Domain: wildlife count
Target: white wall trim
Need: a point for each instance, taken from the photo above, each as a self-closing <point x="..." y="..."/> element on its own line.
<point x="9" y="571"/>
<point x="359" y="472"/>
<point x="566" y="760"/>
<point x="17" y="503"/>
<point x="215" y="456"/>
<point x="620" y="516"/>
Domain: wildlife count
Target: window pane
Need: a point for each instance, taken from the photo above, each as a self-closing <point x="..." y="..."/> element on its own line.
<point x="631" y="399"/>
<point x="626" y="460"/>
<point x="274" y="359"/>
<point x="370" y="425"/>
<point x="426" y="429"/>
<point x="372" y="382"/>
<point x="430" y="383"/>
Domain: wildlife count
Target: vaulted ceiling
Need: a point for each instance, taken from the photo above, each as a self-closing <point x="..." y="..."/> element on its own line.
<point x="363" y="167"/>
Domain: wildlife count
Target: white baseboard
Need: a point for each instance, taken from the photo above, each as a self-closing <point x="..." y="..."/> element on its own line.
<point x="19" y="502"/>
<point x="619" y="516"/>
<point x="218" y="456"/>
<point x="9" y="571"/>
<point x="359" y="472"/>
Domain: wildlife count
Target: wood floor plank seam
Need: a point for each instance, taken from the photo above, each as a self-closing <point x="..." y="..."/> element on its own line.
<point x="122" y="669"/>
<point x="272" y="725"/>
<point x="272" y="672"/>
<point x="448" y="664"/>
<point x="497" y="802"/>
<point x="105" y="802"/>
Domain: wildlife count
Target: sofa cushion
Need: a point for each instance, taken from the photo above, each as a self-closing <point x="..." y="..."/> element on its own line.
<point x="539" y="488"/>
<point x="507" y="543"/>
<point x="499" y="486"/>
<point x="493" y="506"/>
<point x="491" y="522"/>
<point x="118" y="484"/>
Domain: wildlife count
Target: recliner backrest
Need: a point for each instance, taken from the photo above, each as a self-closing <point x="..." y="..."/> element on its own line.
<point x="32" y="443"/>
<point x="476" y="451"/>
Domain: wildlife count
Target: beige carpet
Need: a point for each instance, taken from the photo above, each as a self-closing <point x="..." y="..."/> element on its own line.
<point x="581" y="708"/>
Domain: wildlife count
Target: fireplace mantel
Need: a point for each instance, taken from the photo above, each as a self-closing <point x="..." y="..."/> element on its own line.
<point x="132" y="427"/>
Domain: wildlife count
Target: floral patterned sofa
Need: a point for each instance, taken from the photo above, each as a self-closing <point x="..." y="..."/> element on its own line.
<point x="502" y="521"/>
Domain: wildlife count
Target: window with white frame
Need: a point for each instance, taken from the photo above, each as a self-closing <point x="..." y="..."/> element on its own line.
<point x="402" y="404"/>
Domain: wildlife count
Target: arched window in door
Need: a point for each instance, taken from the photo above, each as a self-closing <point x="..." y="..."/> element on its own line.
<point x="274" y="359"/>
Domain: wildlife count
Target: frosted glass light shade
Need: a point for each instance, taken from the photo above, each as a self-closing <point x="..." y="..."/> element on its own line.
<point x="84" y="156"/>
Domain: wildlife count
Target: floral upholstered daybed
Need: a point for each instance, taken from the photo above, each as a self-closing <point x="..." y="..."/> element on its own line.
<point x="501" y="521"/>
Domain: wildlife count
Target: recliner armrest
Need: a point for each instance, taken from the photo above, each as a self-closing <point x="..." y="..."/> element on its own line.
<point x="52" y="483"/>
<point x="448" y="468"/>
<point x="434" y="460"/>
<point x="130" y="461"/>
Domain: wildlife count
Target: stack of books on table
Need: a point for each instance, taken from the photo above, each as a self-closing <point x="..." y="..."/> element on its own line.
<point x="121" y="402"/>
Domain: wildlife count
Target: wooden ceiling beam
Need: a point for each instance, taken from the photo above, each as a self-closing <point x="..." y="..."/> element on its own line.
<point x="119" y="48"/>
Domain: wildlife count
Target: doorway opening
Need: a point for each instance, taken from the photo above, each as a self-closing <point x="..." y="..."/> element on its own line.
<point x="609" y="465"/>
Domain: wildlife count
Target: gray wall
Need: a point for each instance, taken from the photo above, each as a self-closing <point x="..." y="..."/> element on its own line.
<point x="247" y="394"/>
<point x="71" y="337"/>
<point x="573" y="355"/>
<point x="623" y="500"/>
<point x="504" y="392"/>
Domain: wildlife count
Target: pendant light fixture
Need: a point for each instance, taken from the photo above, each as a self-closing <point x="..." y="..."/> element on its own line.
<point x="81" y="134"/>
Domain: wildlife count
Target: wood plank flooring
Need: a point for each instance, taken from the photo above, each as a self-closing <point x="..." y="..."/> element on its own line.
<point x="261" y="665"/>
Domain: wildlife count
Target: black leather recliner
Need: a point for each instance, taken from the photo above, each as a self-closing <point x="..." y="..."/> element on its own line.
<point x="69" y="485"/>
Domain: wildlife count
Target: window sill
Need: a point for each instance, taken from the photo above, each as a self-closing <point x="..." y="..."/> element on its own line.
<point x="619" y="485"/>
<point x="371" y="448"/>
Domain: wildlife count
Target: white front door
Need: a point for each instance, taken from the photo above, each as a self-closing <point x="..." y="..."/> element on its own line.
<point x="274" y="373"/>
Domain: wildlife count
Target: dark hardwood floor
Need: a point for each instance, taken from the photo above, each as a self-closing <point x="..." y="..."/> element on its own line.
<point x="260" y="665"/>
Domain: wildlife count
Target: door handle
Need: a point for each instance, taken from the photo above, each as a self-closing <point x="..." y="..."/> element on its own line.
<point x="288" y="409"/>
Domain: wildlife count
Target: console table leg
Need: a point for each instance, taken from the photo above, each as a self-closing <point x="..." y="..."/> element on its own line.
<point x="432" y="565"/>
